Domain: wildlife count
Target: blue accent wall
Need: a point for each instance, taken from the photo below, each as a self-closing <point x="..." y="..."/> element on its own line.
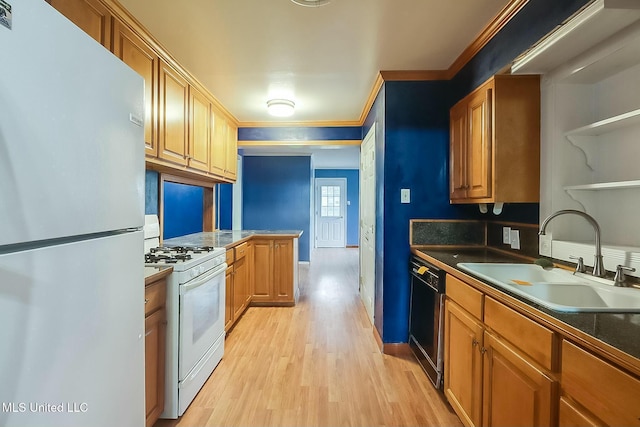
<point x="151" y="205"/>
<point x="412" y="151"/>
<point x="183" y="209"/>
<point x="353" y="196"/>
<point x="276" y="195"/>
<point x="224" y="198"/>
<point x="299" y="133"/>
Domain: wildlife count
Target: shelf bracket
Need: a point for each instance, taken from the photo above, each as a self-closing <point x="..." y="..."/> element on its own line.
<point x="580" y="142"/>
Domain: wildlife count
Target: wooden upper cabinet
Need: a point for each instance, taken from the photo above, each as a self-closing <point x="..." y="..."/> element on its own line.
<point x="479" y="161"/>
<point x="138" y="55"/>
<point x="231" y="149"/>
<point x="495" y="142"/>
<point x="90" y="15"/>
<point x="458" y="151"/>
<point x="173" y="110"/>
<point x="218" y="159"/>
<point x="199" y="130"/>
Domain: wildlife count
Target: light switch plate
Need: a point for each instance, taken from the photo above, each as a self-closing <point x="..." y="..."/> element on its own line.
<point x="405" y="195"/>
<point x="515" y="239"/>
<point x="506" y="235"/>
<point x="544" y="244"/>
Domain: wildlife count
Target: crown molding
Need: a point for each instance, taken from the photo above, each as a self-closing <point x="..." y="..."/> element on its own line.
<point x="485" y="36"/>
<point x="414" y="75"/>
<point x="281" y="143"/>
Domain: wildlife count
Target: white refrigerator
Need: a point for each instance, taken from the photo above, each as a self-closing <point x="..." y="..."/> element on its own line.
<point x="71" y="214"/>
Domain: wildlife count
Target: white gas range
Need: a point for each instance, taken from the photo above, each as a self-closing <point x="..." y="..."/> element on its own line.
<point x="195" y="316"/>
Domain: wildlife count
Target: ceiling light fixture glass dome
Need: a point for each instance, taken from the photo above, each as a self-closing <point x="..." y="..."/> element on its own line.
<point x="311" y="3"/>
<point x="280" y="107"/>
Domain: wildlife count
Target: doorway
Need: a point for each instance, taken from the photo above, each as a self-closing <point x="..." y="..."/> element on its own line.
<point x="330" y="212"/>
<point x="368" y="221"/>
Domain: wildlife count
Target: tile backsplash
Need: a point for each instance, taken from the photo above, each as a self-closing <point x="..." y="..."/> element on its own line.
<point x="474" y="233"/>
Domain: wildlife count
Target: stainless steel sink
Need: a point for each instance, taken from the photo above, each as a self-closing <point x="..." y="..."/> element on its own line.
<point x="557" y="289"/>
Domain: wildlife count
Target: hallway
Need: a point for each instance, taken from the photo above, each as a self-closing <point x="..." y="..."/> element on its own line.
<point x="315" y="364"/>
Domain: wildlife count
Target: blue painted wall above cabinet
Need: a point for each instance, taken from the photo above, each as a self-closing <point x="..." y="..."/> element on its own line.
<point x="183" y="209"/>
<point x="277" y="195"/>
<point x="299" y="133"/>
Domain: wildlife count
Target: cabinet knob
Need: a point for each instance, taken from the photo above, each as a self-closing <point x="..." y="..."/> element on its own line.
<point x="474" y="342"/>
<point x="146" y="300"/>
<point x="483" y="350"/>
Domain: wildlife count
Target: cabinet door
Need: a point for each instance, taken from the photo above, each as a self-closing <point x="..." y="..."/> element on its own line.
<point x="231" y="150"/>
<point x="199" y="130"/>
<point x="458" y="150"/>
<point x="515" y="392"/>
<point x="228" y="310"/>
<point x="463" y="364"/>
<point x="154" y="354"/>
<point x="218" y="158"/>
<point x="263" y="270"/>
<point x="479" y="161"/>
<point x="138" y="55"/>
<point x="283" y="270"/>
<point x="239" y="287"/>
<point x="173" y="113"/>
<point x="90" y="15"/>
<point x="572" y="415"/>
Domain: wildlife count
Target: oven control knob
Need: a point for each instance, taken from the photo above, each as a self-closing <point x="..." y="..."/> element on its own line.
<point x="201" y="269"/>
<point x="193" y="273"/>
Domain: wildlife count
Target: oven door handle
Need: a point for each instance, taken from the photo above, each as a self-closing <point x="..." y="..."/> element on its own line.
<point x="202" y="280"/>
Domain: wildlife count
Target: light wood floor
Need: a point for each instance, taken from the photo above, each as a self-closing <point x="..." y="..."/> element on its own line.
<point x="315" y="364"/>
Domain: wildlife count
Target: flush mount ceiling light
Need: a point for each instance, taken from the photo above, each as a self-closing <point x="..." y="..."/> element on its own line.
<point x="280" y="107"/>
<point x="311" y="3"/>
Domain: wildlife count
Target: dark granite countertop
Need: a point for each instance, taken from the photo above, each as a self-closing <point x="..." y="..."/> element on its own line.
<point x="619" y="330"/>
<point x="226" y="238"/>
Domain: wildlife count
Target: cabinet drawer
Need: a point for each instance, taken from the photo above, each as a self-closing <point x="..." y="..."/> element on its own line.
<point x="230" y="257"/>
<point x="465" y="296"/>
<point x="533" y="339"/>
<point x="241" y="250"/>
<point x="155" y="296"/>
<point x="608" y="392"/>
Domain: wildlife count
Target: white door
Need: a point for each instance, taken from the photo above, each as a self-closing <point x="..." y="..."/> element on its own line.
<point x="368" y="221"/>
<point x="331" y="200"/>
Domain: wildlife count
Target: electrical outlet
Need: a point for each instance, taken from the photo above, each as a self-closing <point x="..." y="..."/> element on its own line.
<point x="506" y="235"/>
<point x="405" y="195"/>
<point x="515" y="239"/>
<point x="544" y="244"/>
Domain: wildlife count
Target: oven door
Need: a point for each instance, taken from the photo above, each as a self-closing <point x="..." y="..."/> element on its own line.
<point x="202" y="304"/>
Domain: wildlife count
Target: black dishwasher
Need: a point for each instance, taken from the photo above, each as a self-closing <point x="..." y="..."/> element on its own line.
<point x="426" y="318"/>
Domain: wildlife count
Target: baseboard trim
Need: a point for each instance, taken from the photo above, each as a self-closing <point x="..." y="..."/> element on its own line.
<point x="352" y="246"/>
<point x="397" y="349"/>
<point x="378" y="339"/>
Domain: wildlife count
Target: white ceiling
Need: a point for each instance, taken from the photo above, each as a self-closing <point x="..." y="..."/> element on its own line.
<point x="325" y="59"/>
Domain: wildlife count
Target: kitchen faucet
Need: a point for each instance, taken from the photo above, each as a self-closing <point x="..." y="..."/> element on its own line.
<point x="598" y="265"/>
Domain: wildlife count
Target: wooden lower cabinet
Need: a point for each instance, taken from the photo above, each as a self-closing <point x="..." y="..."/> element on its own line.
<point x="238" y="296"/>
<point x="228" y="313"/>
<point x="274" y="271"/>
<point x="463" y="363"/>
<point x="596" y="391"/>
<point x="154" y="349"/>
<point x="515" y="391"/>
<point x="488" y="381"/>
